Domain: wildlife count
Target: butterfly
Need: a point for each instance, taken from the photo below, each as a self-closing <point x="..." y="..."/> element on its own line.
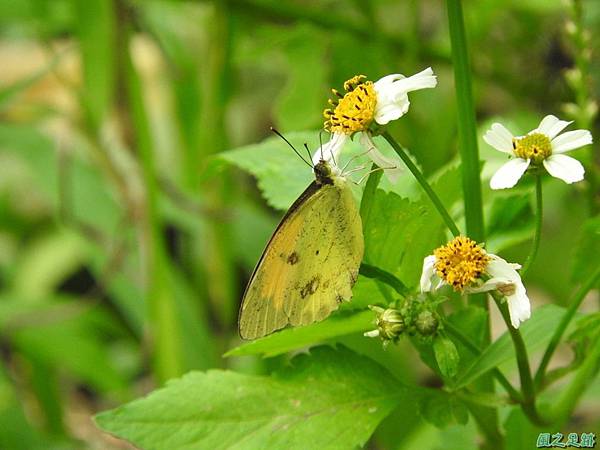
<point x="310" y="263"/>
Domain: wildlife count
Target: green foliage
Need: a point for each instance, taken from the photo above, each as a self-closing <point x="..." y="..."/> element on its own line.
<point x="295" y="338"/>
<point x="534" y="332"/>
<point x="446" y="356"/>
<point x="310" y="403"/>
<point x="587" y="250"/>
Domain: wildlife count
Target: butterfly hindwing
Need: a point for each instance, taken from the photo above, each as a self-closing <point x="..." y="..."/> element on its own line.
<point x="308" y="266"/>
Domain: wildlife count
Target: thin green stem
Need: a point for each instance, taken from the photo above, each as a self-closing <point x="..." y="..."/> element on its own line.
<point x="384" y="276"/>
<point x="527" y="386"/>
<point x="467" y="130"/>
<point x="538" y="226"/>
<point x="423" y="182"/>
<point x="454" y="331"/>
<point x="592" y="281"/>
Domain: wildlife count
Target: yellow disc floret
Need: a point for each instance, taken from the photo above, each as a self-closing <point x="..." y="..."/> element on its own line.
<point x="534" y="146"/>
<point x="460" y="262"/>
<point x="354" y="110"/>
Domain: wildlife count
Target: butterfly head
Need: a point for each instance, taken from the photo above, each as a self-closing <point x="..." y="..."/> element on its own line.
<point x="323" y="172"/>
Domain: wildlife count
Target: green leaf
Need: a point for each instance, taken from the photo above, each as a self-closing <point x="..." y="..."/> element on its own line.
<point x="441" y="408"/>
<point x="510" y="222"/>
<point x="399" y="234"/>
<point x="339" y="324"/>
<point x="587" y="250"/>
<point x="520" y="433"/>
<point x="534" y="332"/>
<point x="328" y="399"/>
<point x="446" y="355"/>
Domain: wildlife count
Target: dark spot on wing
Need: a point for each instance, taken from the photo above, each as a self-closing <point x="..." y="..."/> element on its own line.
<point x="310" y="287"/>
<point x="293" y="258"/>
<point x="317" y="252"/>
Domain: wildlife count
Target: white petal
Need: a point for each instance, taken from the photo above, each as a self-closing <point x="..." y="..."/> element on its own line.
<point x="571" y="140"/>
<point x="391" y="90"/>
<point x="386" y="111"/>
<point x="564" y="167"/>
<point x="374" y="333"/>
<point x="392" y="167"/>
<point x="499" y="138"/>
<point x="508" y="175"/>
<point x="331" y="149"/>
<point x="422" y="80"/>
<point x="427" y="273"/>
<point x="504" y="273"/>
<point x="519" y="307"/>
<point x="551" y="126"/>
<point x="500" y="268"/>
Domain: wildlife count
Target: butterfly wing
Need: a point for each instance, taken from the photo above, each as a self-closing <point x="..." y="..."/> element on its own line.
<point x="308" y="266"/>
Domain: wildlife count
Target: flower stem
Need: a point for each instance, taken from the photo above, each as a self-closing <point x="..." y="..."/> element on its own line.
<point x="423" y="182"/>
<point x="510" y="390"/>
<point x="564" y="323"/>
<point x="527" y="386"/>
<point x="538" y="226"/>
<point x="467" y="130"/>
<point x="384" y="276"/>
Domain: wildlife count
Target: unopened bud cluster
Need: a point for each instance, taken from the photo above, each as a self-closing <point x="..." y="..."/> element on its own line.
<point x="413" y="316"/>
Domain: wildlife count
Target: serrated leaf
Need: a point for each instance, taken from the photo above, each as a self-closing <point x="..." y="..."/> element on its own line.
<point x="534" y="332"/>
<point x="337" y="325"/>
<point x="399" y="234"/>
<point x="314" y="403"/>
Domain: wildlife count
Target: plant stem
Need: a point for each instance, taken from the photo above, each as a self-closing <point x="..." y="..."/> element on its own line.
<point x="564" y="323"/>
<point x="384" y="276"/>
<point x="512" y="392"/>
<point x="527" y="386"/>
<point x="467" y="130"/>
<point x="471" y="182"/>
<point x="538" y="226"/>
<point x="423" y="182"/>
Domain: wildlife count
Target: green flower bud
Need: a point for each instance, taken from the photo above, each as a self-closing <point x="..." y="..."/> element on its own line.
<point x="390" y="324"/>
<point x="426" y="323"/>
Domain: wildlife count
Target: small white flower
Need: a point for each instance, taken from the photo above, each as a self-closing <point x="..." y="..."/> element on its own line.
<point x="542" y="146"/>
<point x="366" y="103"/>
<point x="468" y="268"/>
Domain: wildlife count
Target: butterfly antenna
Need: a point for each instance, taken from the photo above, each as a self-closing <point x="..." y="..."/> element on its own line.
<point x="292" y="147"/>
<point x="309" y="154"/>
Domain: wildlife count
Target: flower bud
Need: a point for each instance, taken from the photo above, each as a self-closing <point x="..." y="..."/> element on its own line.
<point x="426" y="323"/>
<point x="390" y="324"/>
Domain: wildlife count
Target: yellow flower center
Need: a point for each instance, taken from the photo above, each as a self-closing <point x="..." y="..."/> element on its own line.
<point x="460" y="262"/>
<point x="354" y="110"/>
<point x="534" y="146"/>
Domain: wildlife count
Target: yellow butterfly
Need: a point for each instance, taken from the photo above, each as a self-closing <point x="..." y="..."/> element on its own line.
<point x="310" y="263"/>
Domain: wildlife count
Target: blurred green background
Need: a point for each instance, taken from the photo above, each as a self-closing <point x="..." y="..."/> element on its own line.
<point x="126" y="241"/>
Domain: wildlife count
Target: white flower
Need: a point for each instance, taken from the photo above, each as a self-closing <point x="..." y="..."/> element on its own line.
<point x="542" y="146"/>
<point x="470" y="269"/>
<point x="365" y="103"/>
